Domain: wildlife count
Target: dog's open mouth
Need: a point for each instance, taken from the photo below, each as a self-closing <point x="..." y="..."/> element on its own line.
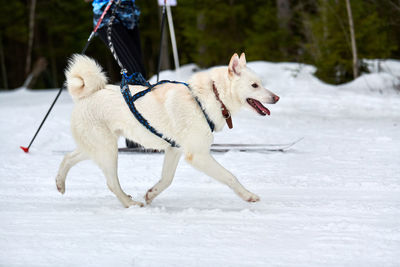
<point x="258" y="106"/>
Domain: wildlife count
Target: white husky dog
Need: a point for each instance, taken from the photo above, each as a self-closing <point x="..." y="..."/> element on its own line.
<point x="101" y="115"/>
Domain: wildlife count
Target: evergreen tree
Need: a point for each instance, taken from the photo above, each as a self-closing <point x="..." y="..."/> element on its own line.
<point x="328" y="44"/>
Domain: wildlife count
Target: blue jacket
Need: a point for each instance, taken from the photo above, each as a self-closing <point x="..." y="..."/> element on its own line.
<point x="127" y="14"/>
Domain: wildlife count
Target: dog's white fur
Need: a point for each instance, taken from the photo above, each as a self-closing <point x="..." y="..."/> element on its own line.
<point x="101" y="115"/>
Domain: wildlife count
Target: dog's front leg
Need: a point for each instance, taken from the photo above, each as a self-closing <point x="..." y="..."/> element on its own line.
<point x="171" y="159"/>
<point x="207" y="164"/>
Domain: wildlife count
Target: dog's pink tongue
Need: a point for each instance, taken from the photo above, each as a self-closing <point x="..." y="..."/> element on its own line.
<point x="261" y="107"/>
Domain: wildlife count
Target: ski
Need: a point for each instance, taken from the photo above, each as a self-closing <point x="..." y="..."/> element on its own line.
<point x="238" y="145"/>
<point x="223" y="148"/>
<point x="138" y="150"/>
<point x="219" y="148"/>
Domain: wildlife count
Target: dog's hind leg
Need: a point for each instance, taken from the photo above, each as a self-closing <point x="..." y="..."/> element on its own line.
<point x="69" y="160"/>
<point x="207" y="164"/>
<point x="107" y="159"/>
<point x="171" y="159"/>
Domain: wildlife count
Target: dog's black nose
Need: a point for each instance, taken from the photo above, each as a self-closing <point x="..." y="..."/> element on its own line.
<point x="276" y="98"/>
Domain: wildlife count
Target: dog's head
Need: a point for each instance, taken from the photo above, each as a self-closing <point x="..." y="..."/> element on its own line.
<point x="247" y="86"/>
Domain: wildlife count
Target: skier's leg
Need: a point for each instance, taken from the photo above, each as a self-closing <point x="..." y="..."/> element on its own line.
<point x="126" y="43"/>
<point x="127" y="46"/>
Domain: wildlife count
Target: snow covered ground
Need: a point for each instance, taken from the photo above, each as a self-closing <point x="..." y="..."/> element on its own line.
<point x="332" y="200"/>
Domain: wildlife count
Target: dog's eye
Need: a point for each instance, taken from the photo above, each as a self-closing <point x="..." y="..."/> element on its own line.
<point x="254" y="85"/>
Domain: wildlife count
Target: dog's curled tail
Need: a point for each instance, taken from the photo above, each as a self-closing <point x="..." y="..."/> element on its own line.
<point x="84" y="76"/>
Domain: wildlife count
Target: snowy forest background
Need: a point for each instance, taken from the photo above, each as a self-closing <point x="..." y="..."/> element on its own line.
<point x="39" y="35"/>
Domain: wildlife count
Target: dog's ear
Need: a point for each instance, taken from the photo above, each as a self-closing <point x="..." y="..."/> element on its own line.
<point x="234" y="67"/>
<point x="242" y="60"/>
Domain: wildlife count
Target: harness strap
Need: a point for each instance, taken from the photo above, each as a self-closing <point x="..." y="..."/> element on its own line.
<point x="209" y="121"/>
<point x="129" y="99"/>
<point x="137" y="79"/>
<point x="109" y="29"/>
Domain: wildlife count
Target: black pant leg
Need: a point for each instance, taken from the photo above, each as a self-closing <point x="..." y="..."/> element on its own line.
<point x="128" y="49"/>
<point x="127" y="46"/>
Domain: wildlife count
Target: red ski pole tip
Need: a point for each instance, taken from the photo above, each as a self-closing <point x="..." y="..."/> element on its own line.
<point x="25" y="149"/>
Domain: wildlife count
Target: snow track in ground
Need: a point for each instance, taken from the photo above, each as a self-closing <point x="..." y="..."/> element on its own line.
<point x="332" y="200"/>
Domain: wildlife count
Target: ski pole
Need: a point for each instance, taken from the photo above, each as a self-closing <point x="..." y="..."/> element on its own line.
<point x="93" y="33"/>
<point x="161" y="39"/>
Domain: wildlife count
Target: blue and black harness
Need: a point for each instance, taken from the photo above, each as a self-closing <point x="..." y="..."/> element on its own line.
<point x="137" y="79"/>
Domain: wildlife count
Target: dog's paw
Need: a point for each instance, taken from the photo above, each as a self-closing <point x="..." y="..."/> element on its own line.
<point x="130" y="202"/>
<point x="138" y="203"/>
<point x="253" y="198"/>
<point x="60" y="185"/>
<point x="249" y="197"/>
<point x="149" y="196"/>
